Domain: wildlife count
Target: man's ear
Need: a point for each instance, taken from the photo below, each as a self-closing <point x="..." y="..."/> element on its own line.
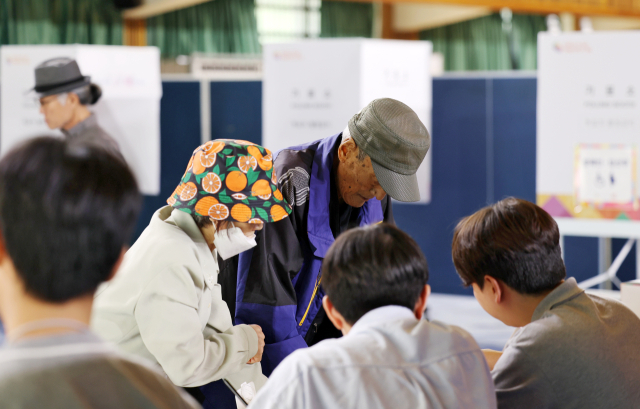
<point x="334" y="316"/>
<point x="421" y="304"/>
<point x="72" y="98"/>
<point x="345" y="149"/>
<point x="496" y="288"/>
<point x="116" y="266"/>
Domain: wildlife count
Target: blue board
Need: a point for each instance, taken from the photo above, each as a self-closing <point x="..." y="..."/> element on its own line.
<point x="180" y="134"/>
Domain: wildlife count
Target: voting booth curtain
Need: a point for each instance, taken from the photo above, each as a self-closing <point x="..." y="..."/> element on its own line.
<point x="346" y="19"/>
<point x="221" y="26"/>
<point x="482" y="44"/>
<point x="59" y="22"/>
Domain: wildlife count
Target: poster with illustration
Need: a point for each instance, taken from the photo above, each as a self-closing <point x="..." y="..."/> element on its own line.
<point x="588" y="125"/>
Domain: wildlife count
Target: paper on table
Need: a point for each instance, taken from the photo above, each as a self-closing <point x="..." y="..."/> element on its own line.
<point x="248" y="392"/>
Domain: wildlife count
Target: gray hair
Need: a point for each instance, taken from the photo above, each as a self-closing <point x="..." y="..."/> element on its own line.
<point x="84" y="94"/>
<point x="87" y="94"/>
<point x="346" y="135"/>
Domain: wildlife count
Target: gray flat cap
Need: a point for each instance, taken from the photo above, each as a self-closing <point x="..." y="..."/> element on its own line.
<point x="396" y="141"/>
<point x="58" y="75"/>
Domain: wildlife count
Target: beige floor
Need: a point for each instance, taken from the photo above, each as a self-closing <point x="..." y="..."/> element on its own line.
<point x="465" y="312"/>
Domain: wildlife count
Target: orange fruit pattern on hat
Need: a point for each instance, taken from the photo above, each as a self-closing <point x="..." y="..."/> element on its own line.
<point x="278" y="213"/>
<point x="208" y="159"/>
<point x="231" y="180"/>
<point x="261" y="188"/>
<point x="236" y="181"/>
<point x="241" y="212"/>
<point x="189" y="191"/>
<point x="247" y="162"/>
<point x="219" y="212"/>
<point x="211" y="183"/>
<point x="198" y="167"/>
<point x="205" y="204"/>
<point x="264" y="161"/>
<point x="212" y="147"/>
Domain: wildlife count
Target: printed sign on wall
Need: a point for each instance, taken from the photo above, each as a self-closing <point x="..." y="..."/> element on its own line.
<point x="605" y="176"/>
<point x="588" y="124"/>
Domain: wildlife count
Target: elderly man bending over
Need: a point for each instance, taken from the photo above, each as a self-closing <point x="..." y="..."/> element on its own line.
<point x="332" y="184"/>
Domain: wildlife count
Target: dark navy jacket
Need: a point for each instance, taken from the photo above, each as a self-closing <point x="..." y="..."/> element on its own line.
<point x="279" y="281"/>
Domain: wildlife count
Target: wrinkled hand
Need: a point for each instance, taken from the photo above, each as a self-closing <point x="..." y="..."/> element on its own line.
<point x="258" y="356"/>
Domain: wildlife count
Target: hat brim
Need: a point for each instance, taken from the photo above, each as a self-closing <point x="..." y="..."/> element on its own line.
<point x="63" y="88"/>
<point x="400" y="187"/>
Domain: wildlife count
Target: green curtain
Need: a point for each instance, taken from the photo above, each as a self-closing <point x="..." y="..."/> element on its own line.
<point x="345" y="19"/>
<point x="59" y="22"/>
<point x="219" y="26"/>
<point x="481" y="44"/>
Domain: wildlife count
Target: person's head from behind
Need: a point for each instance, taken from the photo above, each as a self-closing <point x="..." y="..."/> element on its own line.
<point x="372" y="267"/>
<point x="380" y="152"/>
<point x="67" y="210"/>
<point x="63" y="92"/>
<point x="510" y="254"/>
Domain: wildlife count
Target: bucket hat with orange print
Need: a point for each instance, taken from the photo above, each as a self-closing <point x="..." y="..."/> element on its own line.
<point x="231" y="180"/>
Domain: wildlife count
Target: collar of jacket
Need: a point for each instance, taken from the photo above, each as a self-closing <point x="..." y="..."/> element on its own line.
<point x="182" y="220"/>
<point x="90" y="122"/>
<point x="561" y="294"/>
<point x="318" y="227"/>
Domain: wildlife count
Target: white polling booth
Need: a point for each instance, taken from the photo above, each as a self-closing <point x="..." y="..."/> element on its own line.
<point x="312" y="88"/>
<point x="588" y="137"/>
<point x="129" y="109"/>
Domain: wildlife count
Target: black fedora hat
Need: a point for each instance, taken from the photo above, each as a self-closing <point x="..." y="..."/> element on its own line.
<point x="59" y="75"/>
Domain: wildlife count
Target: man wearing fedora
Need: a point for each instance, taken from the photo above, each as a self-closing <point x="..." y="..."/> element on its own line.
<point x="64" y="94"/>
<point x="333" y="184"/>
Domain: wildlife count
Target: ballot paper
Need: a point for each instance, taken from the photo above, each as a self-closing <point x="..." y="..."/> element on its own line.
<point x="248" y="392"/>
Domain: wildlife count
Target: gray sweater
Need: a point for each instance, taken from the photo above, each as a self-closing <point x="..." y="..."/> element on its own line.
<point x="79" y="371"/>
<point x="88" y="131"/>
<point x="579" y="351"/>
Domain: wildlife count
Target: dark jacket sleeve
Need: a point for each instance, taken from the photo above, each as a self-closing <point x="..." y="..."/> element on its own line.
<point x="265" y="293"/>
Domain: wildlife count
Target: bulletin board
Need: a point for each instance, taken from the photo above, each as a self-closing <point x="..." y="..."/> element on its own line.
<point x="588" y="128"/>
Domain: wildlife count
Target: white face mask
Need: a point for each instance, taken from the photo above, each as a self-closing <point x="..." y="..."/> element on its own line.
<point x="232" y="241"/>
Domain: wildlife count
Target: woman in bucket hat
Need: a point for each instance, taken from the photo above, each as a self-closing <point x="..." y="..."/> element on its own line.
<point x="165" y="303"/>
<point x="64" y="95"/>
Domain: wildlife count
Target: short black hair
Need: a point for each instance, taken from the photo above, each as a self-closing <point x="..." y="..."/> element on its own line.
<point x="514" y="241"/>
<point x="371" y="267"/>
<point x="67" y="209"/>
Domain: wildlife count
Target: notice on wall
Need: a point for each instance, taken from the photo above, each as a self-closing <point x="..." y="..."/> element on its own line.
<point x="312" y="88"/>
<point x="129" y="109"/>
<point x="605" y="176"/>
<point x="588" y="124"/>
